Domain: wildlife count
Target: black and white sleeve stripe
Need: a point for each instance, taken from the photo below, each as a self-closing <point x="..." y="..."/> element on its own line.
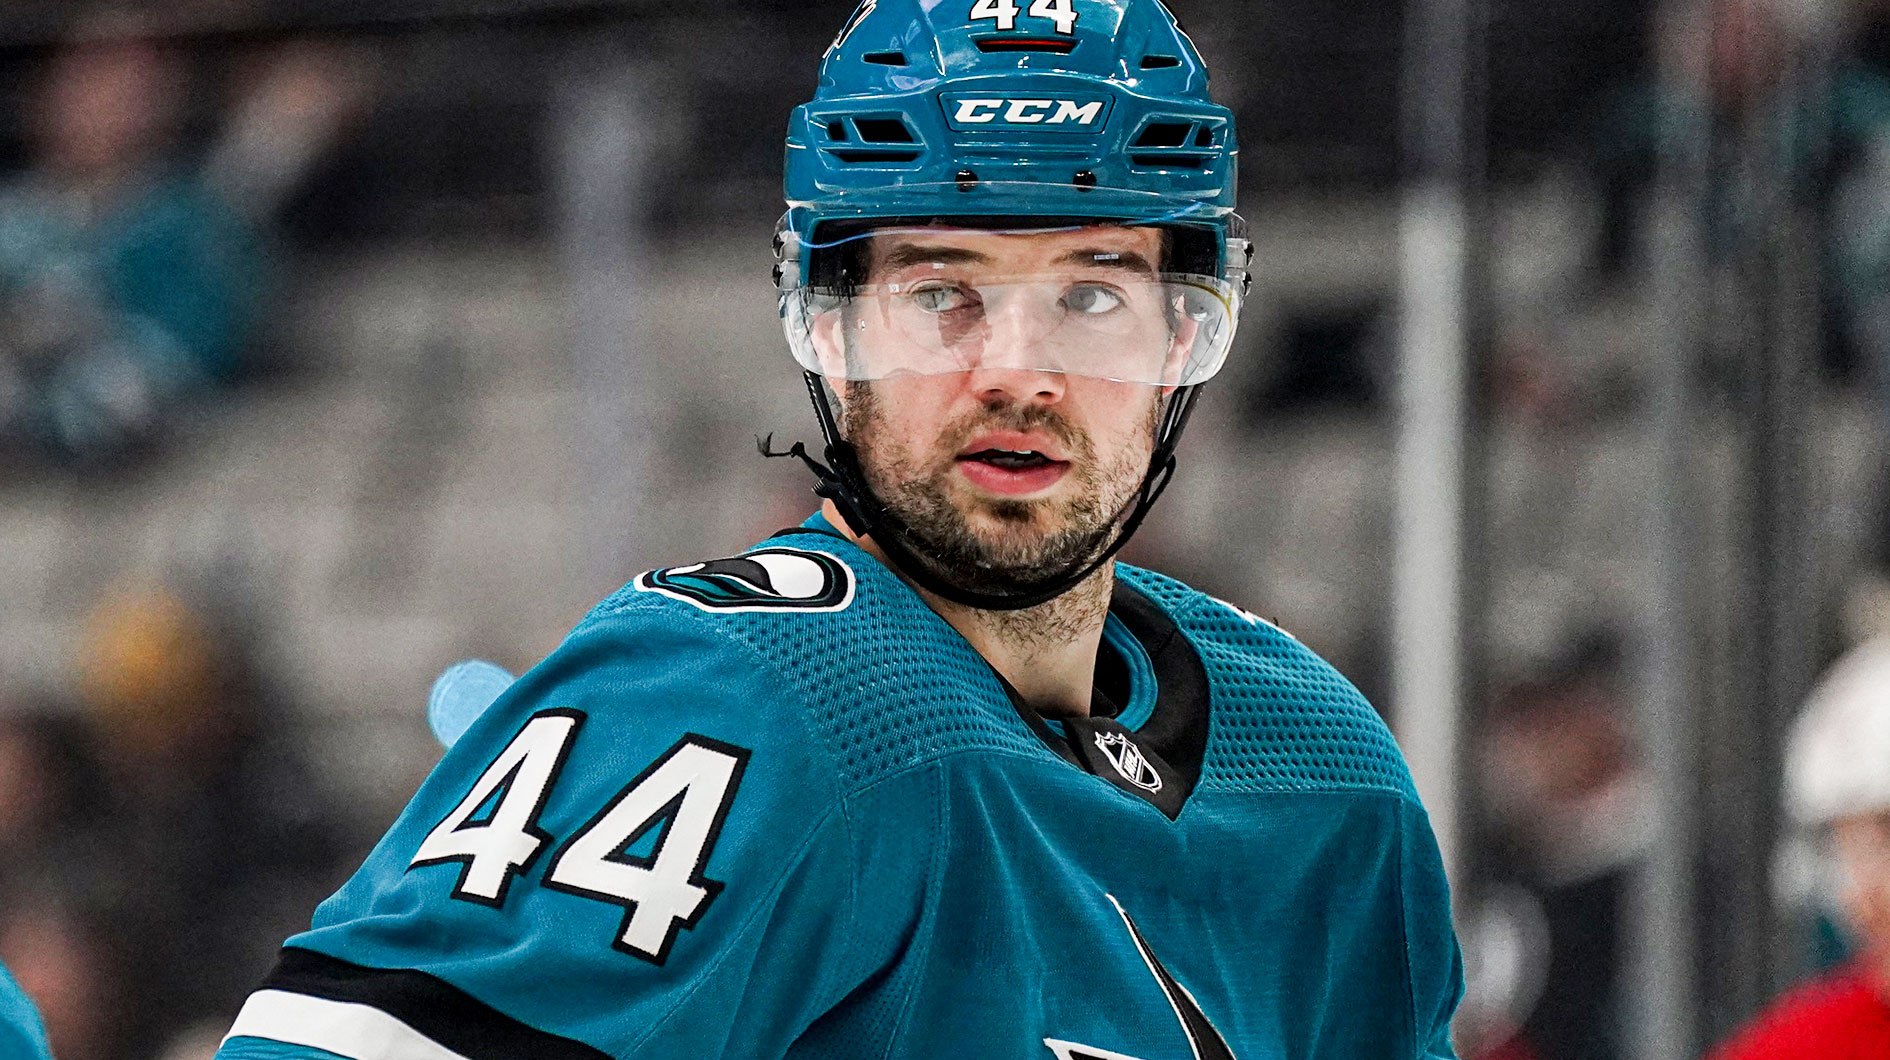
<point x="314" y="1000"/>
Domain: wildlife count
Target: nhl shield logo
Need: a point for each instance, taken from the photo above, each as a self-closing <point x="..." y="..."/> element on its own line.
<point x="1129" y="761"/>
<point x="767" y="579"/>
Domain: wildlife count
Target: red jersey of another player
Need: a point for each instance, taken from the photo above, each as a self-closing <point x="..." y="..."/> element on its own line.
<point x="1840" y="1016"/>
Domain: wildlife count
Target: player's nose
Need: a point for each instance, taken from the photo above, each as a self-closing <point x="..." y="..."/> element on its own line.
<point x="1015" y="362"/>
<point x="998" y="385"/>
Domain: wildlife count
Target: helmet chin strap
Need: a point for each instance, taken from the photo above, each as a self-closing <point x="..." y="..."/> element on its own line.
<point x="842" y="481"/>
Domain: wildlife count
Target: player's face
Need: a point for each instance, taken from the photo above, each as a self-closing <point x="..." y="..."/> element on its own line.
<point x="1863" y="849"/>
<point x="1006" y="469"/>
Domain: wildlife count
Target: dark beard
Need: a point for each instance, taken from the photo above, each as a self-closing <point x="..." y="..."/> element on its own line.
<point x="940" y="534"/>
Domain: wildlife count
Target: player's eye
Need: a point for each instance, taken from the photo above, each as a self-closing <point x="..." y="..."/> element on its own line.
<point x="1092" y="299"/>
<point x="940" y="297"/>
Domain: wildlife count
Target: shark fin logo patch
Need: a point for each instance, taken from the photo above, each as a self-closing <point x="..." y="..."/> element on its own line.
<point x="767" y="579"/>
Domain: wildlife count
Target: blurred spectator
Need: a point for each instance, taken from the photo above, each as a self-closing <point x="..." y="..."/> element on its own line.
<point x="215" y="838"/>
<point x="1736" y="61"/>
<point x="1796" y="148"/>
<point x="1811" y="125"/>
<point x="1859" y="203"/>
<point x="48" y="800"/>
<point x="132" y="277"/>
<point x="1815" y="136"/>
<point x="149" y="873"/>
<point x="127" y="285"/>
<point x="1567" y="802"/>
<point x="1838" y="785"/>
<point x="46" y="788"/>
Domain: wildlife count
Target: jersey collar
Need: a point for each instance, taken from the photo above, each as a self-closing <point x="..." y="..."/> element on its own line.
<point x="1165" y="721"/>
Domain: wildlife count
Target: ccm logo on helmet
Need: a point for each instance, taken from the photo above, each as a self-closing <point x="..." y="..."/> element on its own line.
<point x="971" y="111"/>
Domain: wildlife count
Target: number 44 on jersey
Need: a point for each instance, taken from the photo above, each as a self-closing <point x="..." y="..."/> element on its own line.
<point x="493" y="833"/>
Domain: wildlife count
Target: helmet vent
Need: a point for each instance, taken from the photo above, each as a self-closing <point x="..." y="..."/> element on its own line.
<point x="1204" y="138"/>
<point x="1168" y="161"/>
<point x="884" y="58"/>
<point x="990" y="45"/>
<point x="1164" y="134"/>
<point x="883" y="131"/>
<point x="1160" y="62"/>
<point x="860" y="156"/>
<point x="836" y="130"/>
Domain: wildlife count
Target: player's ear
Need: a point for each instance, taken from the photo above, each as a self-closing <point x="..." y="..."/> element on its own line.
<point x="830" y="343"/>
<point x="1180" y="347"/>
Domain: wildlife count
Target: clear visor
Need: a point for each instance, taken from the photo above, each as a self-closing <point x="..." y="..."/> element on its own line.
<point x="1107" y="318"/>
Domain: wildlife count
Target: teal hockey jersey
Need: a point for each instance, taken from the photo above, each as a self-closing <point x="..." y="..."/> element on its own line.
<point x="774" y="806"/>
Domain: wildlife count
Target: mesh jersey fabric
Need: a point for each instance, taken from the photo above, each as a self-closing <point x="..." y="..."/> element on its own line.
<point x="903" y="868"/>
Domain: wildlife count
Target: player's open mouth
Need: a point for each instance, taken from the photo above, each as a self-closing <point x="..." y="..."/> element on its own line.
<point x="1010" y="460"/>
<point x="1011" y="471"/>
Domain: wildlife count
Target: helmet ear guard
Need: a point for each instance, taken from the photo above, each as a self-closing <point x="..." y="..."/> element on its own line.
<point x="928" y="114"/>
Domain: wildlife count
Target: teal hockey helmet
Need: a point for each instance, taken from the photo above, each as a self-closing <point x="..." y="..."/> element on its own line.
<point x="1024" y="112"/>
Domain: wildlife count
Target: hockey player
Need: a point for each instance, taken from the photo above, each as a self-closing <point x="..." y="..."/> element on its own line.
<point x="929" y="776"/>
<point x="1837" y="788"/>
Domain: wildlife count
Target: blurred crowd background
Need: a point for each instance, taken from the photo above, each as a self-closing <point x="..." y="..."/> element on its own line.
<point x="341" y="340"/>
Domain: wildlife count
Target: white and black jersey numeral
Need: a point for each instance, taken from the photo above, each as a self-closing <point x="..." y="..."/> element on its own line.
<point x="496" y="845"/>
<point x="682" y="799"/>
<point x="687" y="793"/>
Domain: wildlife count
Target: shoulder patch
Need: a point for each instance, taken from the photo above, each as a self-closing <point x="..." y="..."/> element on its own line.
<point x="767" y="579"/>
